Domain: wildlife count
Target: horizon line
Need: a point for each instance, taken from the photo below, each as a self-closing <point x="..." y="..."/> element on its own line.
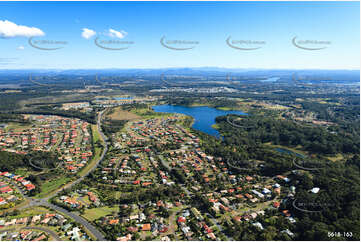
<point x="160" y="68"/>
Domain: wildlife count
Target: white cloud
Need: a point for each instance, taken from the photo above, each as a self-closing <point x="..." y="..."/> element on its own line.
<point x="20" y="47"/>
<point x="117" y="34"/>
<point x="88" y="33"/>
<point x="10" y="30"/>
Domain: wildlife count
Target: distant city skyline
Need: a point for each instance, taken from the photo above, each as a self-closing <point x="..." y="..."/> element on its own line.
<point x="135" y="35"/>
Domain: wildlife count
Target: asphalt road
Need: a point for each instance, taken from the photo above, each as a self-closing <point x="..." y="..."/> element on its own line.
<point x="105" y="150"/>
<point x="166" y="165"/>
<point x="44" y="201"/>
<point x="77" y="218"/>
<point x="52" y="233"/>
<point x="218" y="226"/>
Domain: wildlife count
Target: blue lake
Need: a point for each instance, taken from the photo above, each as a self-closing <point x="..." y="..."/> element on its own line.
<point x="204" y="117"/>
<point x="271" y="79"/>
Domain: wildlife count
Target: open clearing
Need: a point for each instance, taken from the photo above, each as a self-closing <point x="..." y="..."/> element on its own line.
<point x="95" y="213"/>
<point x="97" y="151"/>
<point x="119" y="114"/>
<point x="51" y="186"/>
<point x="31" y="212"/>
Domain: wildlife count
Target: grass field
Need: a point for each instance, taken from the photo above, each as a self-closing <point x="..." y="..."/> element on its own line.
<point x="96" y="135"/>
<point x="95" y="213"/>
<point x="335" y="158"/>
<point x="146" y="113"/>
<point x="22" y="171"/>
<point x="31" y="212"/>
<point x="119" y="114"/>
<point x="17" y="127"/>
<point x="97" y="153"/>
<point x="50" y="186"/>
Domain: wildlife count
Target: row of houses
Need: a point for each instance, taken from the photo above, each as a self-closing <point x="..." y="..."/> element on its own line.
<point x="70" y="137"/>
<point x="25" y="184"/>
<point x="74" y="202"/>
<point x="52" y="219"/>
<point x="49" y="219"/>
<point x="24" y="235"/>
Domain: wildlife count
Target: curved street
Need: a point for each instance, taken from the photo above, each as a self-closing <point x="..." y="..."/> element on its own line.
<point x="49" y="231"/>
<point x="52" y="233"/>
<point x="41" y="202"/>
<point x="44" y="201"/>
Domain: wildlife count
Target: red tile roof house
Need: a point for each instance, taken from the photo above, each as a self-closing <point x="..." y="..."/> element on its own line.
<point x="144" y="184"/>
<point x="92" y="197"/>
<point x="249" y="178"/>
<point x="240" y="196"/>
<point x="224" y="207"/>
<point x="276" y="204"/>
<point x="132" y="229"/>
<point x="146" y="227"/>
<point x="207" y="229"/>
<point x="30" y="186"/>
<point x="237" y="218"/>
<point x="2" y="201"/>
<point x="113" y="221"/>
<point x="286" y="213"/>
<point x="181" y="219"/>
<point x="24" y="234"/>
<point x="20" y="179"/>
<point x="50" y="215"/>
<point x="6" y="189"/>
<point x="164" y="229"/>
<point x="42" y="237"/>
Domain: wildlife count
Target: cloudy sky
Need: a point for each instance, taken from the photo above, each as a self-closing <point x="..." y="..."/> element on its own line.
<point x="71" y="35"/>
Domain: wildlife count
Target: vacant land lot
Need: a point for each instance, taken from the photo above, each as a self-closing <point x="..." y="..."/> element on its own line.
<point x="119" y="114"/>
<point x="51" y="186"/>
<point x="97" y="150"/>
<point x="30" y="212"/>
<point x="95" y="213"/>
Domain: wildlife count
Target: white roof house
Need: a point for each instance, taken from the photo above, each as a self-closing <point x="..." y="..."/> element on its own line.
<point x="315" y="190"/>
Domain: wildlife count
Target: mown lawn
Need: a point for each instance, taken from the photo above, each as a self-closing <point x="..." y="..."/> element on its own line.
<point x="97" y="153"/>
<point x="51" y="186"/>
<point x="120" y="114"/>
<point x="95" y="213"/>
<point x="17" y="127"/>
<point x="31" y="212"/>
<point x="149" y="113"/>
<point x="336" y="157"/>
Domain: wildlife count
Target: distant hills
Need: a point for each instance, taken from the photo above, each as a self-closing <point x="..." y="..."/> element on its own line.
<point x="346" y="75"/>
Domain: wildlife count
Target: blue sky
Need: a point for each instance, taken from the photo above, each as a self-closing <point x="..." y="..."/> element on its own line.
<point x="272" y="24"/>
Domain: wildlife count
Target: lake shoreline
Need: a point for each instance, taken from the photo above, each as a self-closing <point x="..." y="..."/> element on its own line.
<point x="203" y="116"/>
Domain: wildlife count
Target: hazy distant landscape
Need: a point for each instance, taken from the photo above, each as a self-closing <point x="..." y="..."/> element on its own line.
<point x="288" y="132"/>
<point x="180" y="121"/>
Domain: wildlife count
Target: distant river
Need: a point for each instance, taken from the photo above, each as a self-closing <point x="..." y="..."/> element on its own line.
<point x="271" y="79"/>
<point x="204" y="117"/>
<point x="286" y="151"/>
